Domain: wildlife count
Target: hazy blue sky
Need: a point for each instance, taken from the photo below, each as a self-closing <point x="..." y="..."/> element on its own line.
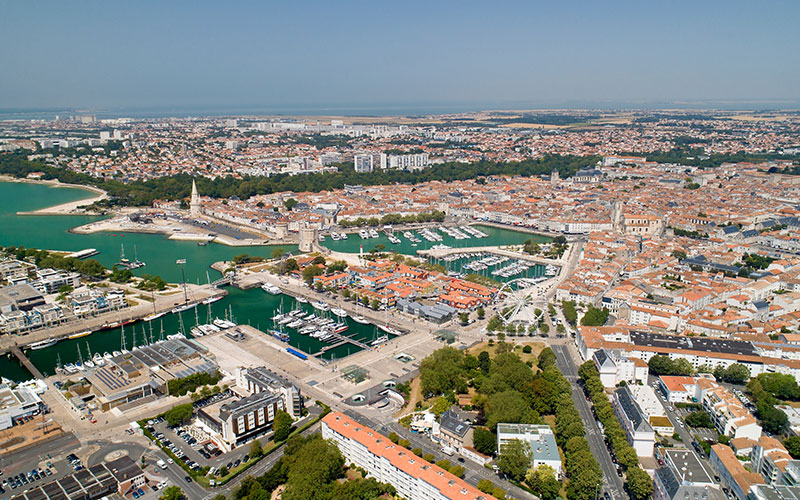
<point x="376" y="53"/>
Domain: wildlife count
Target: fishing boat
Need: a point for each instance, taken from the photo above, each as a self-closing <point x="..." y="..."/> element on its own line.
<point x="109" y="326"/>
<point x="42" y="344"/>
<point x="211" y="300"/>
<point x="180" y="261"/>
<point x="360" y="319"/>
<point x="271" y="289"/>
<point x="322" y="306"/>
<point x="339" y="312"/>
<point x="380" y="340"/>
<point x="79" y="334"/>
<point x="196" y="332"/>
<point x="71" y="368"/>
<point x="202" y="243"/>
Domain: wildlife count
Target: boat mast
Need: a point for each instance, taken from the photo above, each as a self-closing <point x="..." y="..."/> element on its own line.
<point x="122" y="338"/>
<point x="88" y="350"/>
<point x="80" y="357"/>
<point x="161" y="335"/>
<point x="183" y="276"/>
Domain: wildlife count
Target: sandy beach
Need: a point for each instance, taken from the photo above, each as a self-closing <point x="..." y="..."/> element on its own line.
<point x="64" y="208"/>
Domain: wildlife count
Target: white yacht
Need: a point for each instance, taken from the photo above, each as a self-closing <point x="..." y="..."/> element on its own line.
<point x="271" y="289"/>
<point x="364" y="234"/>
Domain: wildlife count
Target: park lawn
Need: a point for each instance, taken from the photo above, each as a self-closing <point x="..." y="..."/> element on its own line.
<point x="536" y="347"/>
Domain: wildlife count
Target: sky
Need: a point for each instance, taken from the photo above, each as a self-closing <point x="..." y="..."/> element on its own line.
<point x="403" y="54"/>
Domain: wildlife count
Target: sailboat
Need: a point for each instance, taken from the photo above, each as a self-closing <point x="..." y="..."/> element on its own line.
<point x="357" y="317"/>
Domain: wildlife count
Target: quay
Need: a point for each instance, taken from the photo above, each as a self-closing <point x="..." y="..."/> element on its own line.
<point x="26" y="363"/>
<point x="143" y="308"/>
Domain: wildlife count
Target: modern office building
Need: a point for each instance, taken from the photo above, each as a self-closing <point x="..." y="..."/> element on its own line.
<point x="239" y="421"/>
<point x="260" y="379"/>
<point x="17" y="403"/>
<point x="540" y="438"/>
<point x="412" y="477"/>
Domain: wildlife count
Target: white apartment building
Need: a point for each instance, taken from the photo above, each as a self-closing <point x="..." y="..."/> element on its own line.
<point x="412" y="477"/>
<point x="615" y="368"/>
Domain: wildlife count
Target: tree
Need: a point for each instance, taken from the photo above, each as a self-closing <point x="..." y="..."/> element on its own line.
<point x="639" y="483"/>
<point x="485" y="485"/>
<point x="310" y="272"/>
<point x="394" y="437"/>
<point x="570" y="313"/>
<point x="595" y="317"/>
<point x="223" y="471"/>
<point x="780" y="385"/>
<point x="428" y="457"/>
<point x="255" y="449"/>
<point x="337" y="266"/>
<point x="543" y="482"/>
<point x="178" y="415"/>
<point x="463" y="318"/>
<point x="484" y="362"/>
<point x="281" y="426"/>
<point x="376" y="304"/>
<point x="514" y="459"/>
<point x="547" y="359"/>
<point x="484" y="440"/>
<point x="792" y="445"/>
<point x="440" y="406"/>
<point x="405" y="443"/>
<point x="442" y="371"/>
<point x="544" y="328"/>
<point x="290" y="203"/>
<point x="481" y="312"/>
<point x="457" y="470"/>
<point x="699" y="419"/>
<point x="173" y="493"/>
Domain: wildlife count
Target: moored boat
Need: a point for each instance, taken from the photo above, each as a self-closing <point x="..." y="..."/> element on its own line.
<point x="79" y="334"/>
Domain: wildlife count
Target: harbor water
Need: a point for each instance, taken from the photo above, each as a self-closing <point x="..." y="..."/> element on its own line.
<point x="253" y="307"/>
<point x="496" y="237"/>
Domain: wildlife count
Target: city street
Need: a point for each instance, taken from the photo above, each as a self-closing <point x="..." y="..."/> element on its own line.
<point x="566" y="363"/>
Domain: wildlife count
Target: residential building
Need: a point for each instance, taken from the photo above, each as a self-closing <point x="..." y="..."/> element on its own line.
<point x="614" y="368"/>
<point x="683" y="477"/>
<point x="769" y="458"/>
<point x="635" y="422"/>
<point x="732" y="473"/>
<point x="455" y="430"/>
<point x="540" y="438"/>
<point x="728" y="413"/>
<point x="412" y="477"/>
<point x="239" y="421"/>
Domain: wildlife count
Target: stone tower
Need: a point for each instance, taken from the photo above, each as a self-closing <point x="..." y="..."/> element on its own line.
<point x="307" y="237"/>
<point x="616" y="217"/>
<point x="195" y="205"/>
<point x="554" y="178"/>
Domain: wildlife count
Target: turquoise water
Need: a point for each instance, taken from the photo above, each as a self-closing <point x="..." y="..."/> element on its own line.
<point x="252" y="307"/>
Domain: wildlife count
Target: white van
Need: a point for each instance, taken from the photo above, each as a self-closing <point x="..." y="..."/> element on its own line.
<point x="162" y="464"/>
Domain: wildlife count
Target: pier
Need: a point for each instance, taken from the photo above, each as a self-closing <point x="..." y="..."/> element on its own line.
<point x="15" y="350"/>
<point x="340" y="341"/>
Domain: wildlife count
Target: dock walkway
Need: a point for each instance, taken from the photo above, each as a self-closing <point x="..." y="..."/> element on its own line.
<point x="26" y="362"/>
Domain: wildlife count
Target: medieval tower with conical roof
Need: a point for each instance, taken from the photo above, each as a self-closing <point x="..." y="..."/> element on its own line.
<point x="195" y="205"/>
